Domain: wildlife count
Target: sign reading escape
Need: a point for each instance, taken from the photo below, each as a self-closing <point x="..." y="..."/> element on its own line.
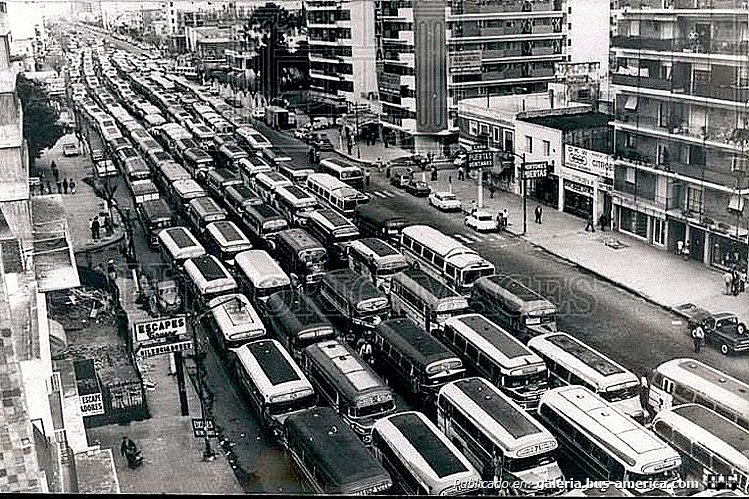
<point x="161" y="328"/>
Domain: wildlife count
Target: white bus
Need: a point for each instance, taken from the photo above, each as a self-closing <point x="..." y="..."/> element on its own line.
<point x="605" y="442"/>
<point x="207" y="278"/>
<point x="348" y="385"/>
<point x="177" y="245"/>
<point x="335" y="194"/>
<point x="296" y="173"/>
<point x="295" y="204"/>
<point x="572" y="362"/>
<point x="226" y="241"/>
<point x="252" y="138"/>
<point x="233" y="321"/>
<point x="420" y="459"/>
<point x="275" y="385"/>
<point x="260" y="275"/>
<point x="681" y="381"/>
<point x="444" y="257"/>
<point x="265" y="185"/>
<point x="377" y="260"/>
<point x="349" y="174"/>
<point x="424" y="299"/>
<point x="493" y="353"/>
<point x="708" y="443"/>
<point x="498" y="437"/>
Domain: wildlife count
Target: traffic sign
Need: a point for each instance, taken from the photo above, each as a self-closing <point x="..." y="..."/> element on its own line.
<point x="537" y="169"/>
<point x="202" y="428"/>
<point x="162" y="348"/>
<point x="480" y="159"/>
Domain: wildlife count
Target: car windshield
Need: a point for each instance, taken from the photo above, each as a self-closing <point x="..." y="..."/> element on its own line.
<point x="484" y="218"/>
<point x="448" y="197"/>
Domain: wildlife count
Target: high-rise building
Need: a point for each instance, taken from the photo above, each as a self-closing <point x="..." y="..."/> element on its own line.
<point x="681" y="132"/>
<point x="342" y="53"/>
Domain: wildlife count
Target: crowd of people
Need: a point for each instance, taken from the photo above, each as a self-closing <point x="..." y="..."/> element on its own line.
<point x="46" y="186"/>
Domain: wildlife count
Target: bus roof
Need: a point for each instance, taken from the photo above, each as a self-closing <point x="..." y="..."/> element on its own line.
<point x="378" y="212"/>
<point x="500" y="345"/>
<point x="332" y="184"/>
<point x="272" y="368"/>
<point x="707" y="379"/>
<point x="376" y="247"/>
<point x="188" y="188"/>
<point x="442" y="245"/>
<point x="334" y="165"/>
<point x="156" y="209"/>
<point x="295" y="192"/>
<point x="145" y="186"/>
<point x="352" y="285"/>
<point x="300" y="314"/>
<point x="507" y="424"/>
<point x="422" y="446"/>
<point x="429" y="288"/>
<point x="273" y="177"/>
<point x="261" y="269"/>
<point x="236" y="318"/>
<point x="265" y="211"/>
<point x="206" y="205"/>
<point x="332" y="221"/>
<point x="209" y="275"/>
<point x="227" y="233"/>
<point x="298" y="239"/>
<point x="224" y="175"/>
<point x="180" y="243"/>
<point x="172" y="171"/>
<point x="515" y="295"/>
<point x="700" y="424"/>
<point x="420" y="347"/>
<point x="342" y="459"/>
<point x="241" y="193"/>
<point x="631" y="442"/>
<point x="355" y="379"/>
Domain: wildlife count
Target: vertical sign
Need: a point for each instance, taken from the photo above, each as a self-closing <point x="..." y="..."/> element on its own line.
<point x="430" y="54"/>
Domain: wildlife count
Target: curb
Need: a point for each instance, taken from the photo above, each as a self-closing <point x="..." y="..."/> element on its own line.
<point x="93" y="247"/>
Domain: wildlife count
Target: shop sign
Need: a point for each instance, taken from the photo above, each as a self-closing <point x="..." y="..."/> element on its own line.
<point x="163" y="348"/>
<point x="161" y="328"/>
<point x="594" y="162"/>
<point x="480" y="159"/>
<point x="202" y="428"/>
<point x="579" y="188"/>
<point x="537" y="169"/>
<point x="465" y="62"/>
<point x="91" y="404"/>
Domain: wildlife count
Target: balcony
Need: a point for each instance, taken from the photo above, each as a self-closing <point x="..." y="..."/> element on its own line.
<point x="644" y="82"/>
<point x="459" y="7"/>
<point x="723" y="92"/>
<point x="721" y="47"/>
<point x="634" y="42"/>
<point x="499" y="54"/>
<point x="685" y="4"/>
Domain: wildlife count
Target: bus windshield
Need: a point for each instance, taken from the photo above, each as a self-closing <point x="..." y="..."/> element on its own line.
<point x="521" y="381"/>
<point x="389" y="272"/>
<point x="276" y="409"/>
<point x="625" y="393"/>
<point x="470" y="276"/>
<point x="349" y="204"/>
<point x="663" y="476"/>
<point x="313" y="256"/>
<point x="530" y="462"/>
<point x="350" y="174"/>
<point x="373" y="409"/>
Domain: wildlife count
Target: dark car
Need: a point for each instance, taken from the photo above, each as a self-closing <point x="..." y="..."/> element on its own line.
<point x="722" y="329"/>
<point x="323" y="143"/>
<point x="419" y="189"/>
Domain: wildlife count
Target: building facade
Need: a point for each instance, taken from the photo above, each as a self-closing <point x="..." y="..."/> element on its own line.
<point x="681" y="133"/>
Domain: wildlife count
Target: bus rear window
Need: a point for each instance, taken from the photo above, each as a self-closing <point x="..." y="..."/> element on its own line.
<point x="374" y="409"/>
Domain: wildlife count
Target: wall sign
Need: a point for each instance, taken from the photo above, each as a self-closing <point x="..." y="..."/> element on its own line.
<point x="161" y="328"/>
<point x="588" y="161"/>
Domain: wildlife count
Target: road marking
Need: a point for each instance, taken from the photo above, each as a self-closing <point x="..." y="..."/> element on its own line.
<point x="467" y="238"/>
<point x="382" y="194"/>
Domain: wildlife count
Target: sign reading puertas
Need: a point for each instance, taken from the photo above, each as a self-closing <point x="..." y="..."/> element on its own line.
<point x="161" y="328"/>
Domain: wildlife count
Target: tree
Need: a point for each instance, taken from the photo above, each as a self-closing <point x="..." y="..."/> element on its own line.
<point x="41" y="126"/>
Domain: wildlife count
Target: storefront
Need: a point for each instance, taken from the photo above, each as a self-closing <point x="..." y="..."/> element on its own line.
<point x="546" y="190"/>
<point x="633" y="222"/>
<point x="578" y="199"/>
<point x="727" y="251"/>
<point x="586" y="182"/>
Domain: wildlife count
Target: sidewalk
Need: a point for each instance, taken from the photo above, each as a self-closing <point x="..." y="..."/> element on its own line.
<point x="658" y="276"/>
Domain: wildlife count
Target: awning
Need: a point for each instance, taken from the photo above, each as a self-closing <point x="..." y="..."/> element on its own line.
<point x="631" y="104"/>
<point x="54" y="260"/>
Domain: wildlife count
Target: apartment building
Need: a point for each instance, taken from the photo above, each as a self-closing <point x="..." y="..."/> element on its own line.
<point x="342" y="53"/>
<point x="681" y="133"/>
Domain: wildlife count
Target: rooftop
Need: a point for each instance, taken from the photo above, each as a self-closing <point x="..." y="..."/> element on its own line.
<point x="570" y="122"/>
<point x="508" y="108"/>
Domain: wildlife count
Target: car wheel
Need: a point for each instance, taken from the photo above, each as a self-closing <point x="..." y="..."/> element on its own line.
<point x="724" y="349"/>
<point x="741" y="328"/>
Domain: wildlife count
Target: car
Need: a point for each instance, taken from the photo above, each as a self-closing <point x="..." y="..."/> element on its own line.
<point x="322" y="143"/>
<point x="233" y="102"/>
<point x="403" y="161"/>
<point x="444" y="201"/>
<point x="481" y="221"/>
<point x="722" y="329"/>
<point x="258" y="113"/>
<point x="401" y="176"/>
<point x="419" y="189"/>
<point x="301" y="133"/>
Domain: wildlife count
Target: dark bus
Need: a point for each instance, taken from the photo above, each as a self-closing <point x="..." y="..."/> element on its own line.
<point x="376" y="220"/>
<point x="264" y="223"/>
<point x="302" y="254"/>
<point x="238" y="198"/>
<point x="330" y="455"/>
<point x="155" y="215"/>
<point x="335" y="231"/>
<point x="295" y="321"/>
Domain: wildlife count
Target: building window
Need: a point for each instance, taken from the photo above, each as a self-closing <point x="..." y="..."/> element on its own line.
<point x="631" y="175"/>
<point x="694" y="199"/>
<point x="496" y="135"/>
<point x="634" y="222"/>
<point x="569" y="26"/>
<point x="547" y="148"/>
<point x="529" y="144"/>
<point x="569" y="42"/>
<point x="484" y="129"/>
<point x="659" y="231"/>
<point x="509" y="141"/>
<point x="473" y="128"/>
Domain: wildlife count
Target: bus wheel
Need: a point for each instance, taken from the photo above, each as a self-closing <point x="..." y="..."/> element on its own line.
<point x="724" y="349"/>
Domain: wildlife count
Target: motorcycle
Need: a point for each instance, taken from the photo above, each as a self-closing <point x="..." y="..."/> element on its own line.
<point x="134" y="458"/>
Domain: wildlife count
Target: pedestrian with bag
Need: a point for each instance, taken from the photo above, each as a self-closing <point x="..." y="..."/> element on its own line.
<point x="698" y="335"/>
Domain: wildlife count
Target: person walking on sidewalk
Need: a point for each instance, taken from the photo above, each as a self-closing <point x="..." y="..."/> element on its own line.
<point x="64" y="186"/>
<point x="590" y="226"/>
<point x="108" y="227"/>
<point x="539" y="212"/>
<point x="59" y="187"/>
<point x="94" y="225"/>
<point x="492" y="188"/>
<point x="728" y="280"/>
<point x="698" y="334"/>
<point x="55" y="171"/>
<point x="602" y="222"/>
<point x="71" y="184"/>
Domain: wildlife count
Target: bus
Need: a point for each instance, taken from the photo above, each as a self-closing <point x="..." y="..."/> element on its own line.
<point x="202" y="134"/>
<point x="238" y="197"/>
<point x="335" y="232"/>
<point x="225" y="240"/>
<point x="443" y="257"/>
<point x="207" y="278"/>
<point x="420" y="459"/>
<point x="514" y="306"/>
<point x="494" y="354"/>
<point x="296" y="173"/>
<point x="296" y="321"/>
<point x="177" y="245"/>
<point x="155" y="216"/>
<point x="414" y="359"/>
<point x="233" y="321"/>
<point x="143" y="190"/>
<point x="220" y="179"/>
<point x="266" y="184"/>
<point x="304" y="256"/>
<point x="572" y="362"/>
<point x="295" y="204"/>
<point x="499" y="438"/>
<point x="353" y="300"/>
<point x="204" y="210"/>
<point x="184" y="191"/>
<point x="264" y="223"/>
<point x="331" y="457"/>
<point x="275" y="157"/>
<point x="335" y="194"/>
<point x="376" y="260"/>
<point x="251" y="166"/>
<point x="349" y="174"/>
<point x="348" y="385"/>
<point x="260" y="275"/>
<point x="708" y="443"/>
<point x="274" y="383"/>
<point x="197" y="162"/>
<point x="424" y="299"/>
<point x="168" y="173"/>
<point x="378" y="220"/>
<point x="252" y="138"/>
<point x="229" y="156"/>
<point x="606" y="443"/>
<point x="681" y="381"/>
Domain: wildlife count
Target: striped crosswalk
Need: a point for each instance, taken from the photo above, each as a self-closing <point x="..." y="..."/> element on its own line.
<point x="475" y="238"/>
<point x="382" y="194"/>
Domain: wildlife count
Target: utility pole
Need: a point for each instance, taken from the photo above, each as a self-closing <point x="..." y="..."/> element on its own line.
<point x="525" y="197"/>
<point x="480" y="183"/>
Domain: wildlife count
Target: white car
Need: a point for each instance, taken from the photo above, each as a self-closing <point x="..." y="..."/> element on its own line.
<point x="445" y="201"/>
<point x="70" y="149"/>
<point x="481" y="220"/>
<point x="258" y="113"/>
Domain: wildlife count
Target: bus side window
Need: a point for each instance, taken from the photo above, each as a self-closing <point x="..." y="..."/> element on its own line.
<point x="684" y="393"/>
<point x="460" y="343"/>
<point x="701" y="455"/>
<point x="680" y="441"/>
<point x="668" y="385"/>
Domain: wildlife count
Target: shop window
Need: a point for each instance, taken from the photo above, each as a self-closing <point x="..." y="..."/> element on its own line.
<point x="634" y="222"/>
<point x="496" y="135"/>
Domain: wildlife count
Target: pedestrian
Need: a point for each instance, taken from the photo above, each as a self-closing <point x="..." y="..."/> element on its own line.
<point x="450" y="178"/>
<point x="539" y="212"/>
<point x="95" y="226"/>
<point x="685" y="250"/>
<point x="590" y="226"/>
<point x="474" y="206"/>
<point x="55" y="171"/>
<point x="65" y="186"/>
<point x="41" y="188"/>
<point x="698" y="334"/>
<point x="71" y="184"/>
<point x="679" y="247"/>
<point x="49" y="187"/>
<point x="728" y="279"/>
<point x="491" y="191"/>
<point x="602" y="222"/>
<point x="500" y="221"/>
<point x="734" y="281"/>
<point x="349" y="146"/>
<point x="644" y="390"/>
<point x="59" y="187"/>
<point x="111" y="271"/>
<point x="366" y="177"/>
<point x="108" y="228"/>
<point x="379" y="165"/>
<point x="434" y="174"/>
<point x="387" y="172"/>
<point x="461" y="174"/>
